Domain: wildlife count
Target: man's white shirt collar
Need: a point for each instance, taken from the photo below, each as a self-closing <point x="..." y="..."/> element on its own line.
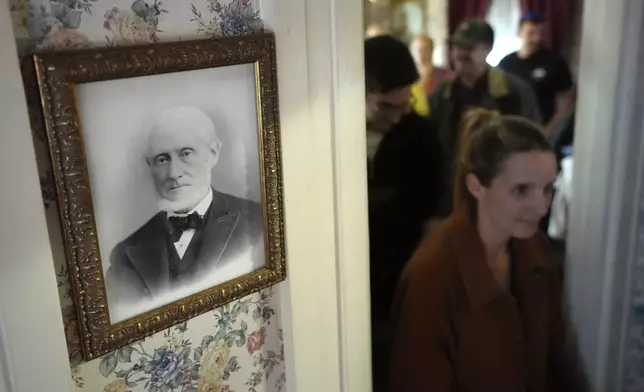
<point x="201" y="208"/>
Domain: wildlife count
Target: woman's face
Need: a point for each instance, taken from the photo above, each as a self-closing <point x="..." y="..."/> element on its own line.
<point x="519" y="196"/>
<point x="421" y="51"/>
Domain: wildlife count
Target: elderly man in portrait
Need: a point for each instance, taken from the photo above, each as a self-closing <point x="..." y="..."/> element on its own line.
<point x="198" y="230"/>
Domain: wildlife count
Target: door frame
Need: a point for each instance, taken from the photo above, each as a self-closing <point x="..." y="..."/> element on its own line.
<point x="608" y="188"/>
<point x="325" y="302"/>
<point x="602" y="238"/>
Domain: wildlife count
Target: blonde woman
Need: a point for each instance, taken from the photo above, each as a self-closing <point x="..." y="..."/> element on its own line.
<point x="422" y="49"/>
<point x="479" y="306"/>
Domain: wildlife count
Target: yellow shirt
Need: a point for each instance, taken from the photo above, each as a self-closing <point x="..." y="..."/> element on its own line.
<point x="419" y="100"/>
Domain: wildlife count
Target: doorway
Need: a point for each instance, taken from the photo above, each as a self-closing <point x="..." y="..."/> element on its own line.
<point x="600" y="247"/>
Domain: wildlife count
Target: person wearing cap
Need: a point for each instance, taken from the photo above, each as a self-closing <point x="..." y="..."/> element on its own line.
<point x="473" y="84"/>
<point x="545" y="70"/>
<point x="404" y="179"/>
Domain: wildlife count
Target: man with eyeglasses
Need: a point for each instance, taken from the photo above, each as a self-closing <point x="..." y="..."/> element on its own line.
<point x="405" y="179"/>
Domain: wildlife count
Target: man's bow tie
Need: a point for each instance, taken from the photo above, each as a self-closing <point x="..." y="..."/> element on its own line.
<point x="182" y="223"/>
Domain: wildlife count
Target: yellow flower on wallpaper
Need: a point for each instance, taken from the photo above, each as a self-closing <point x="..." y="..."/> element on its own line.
<point x="212" y="366"/>
<point x="116" y="386"/>
<point x="209" y="387"/>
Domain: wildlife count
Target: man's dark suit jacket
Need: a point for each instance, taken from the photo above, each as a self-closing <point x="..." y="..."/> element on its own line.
<point x="405" y="185"/>
<point x="146" y="264"/>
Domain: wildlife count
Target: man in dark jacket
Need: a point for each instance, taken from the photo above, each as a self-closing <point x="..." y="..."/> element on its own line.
<point x="473" y="84"/>
<point x="405" y="183"/>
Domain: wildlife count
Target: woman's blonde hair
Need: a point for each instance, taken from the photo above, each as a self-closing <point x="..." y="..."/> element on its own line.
<point x="487" y="140"/>
<point x="424" y="38"/>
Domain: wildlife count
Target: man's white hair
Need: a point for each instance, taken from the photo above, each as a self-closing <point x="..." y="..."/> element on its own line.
<point x="187" y="119"/>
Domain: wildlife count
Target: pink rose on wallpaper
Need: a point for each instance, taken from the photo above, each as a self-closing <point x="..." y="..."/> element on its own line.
<point x="256" y="340"/>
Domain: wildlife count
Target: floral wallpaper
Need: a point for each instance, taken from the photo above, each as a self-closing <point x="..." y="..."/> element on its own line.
<point x="229" y="355"/>
<point x="69" y="24"/>
<point x="238" y="347"/>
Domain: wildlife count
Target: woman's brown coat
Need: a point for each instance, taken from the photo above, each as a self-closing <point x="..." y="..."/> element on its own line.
<point x="459" y="331"/>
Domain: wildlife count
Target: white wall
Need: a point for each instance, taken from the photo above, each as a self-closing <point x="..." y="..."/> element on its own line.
<point x="504" y="16"/>
<point x="437" y="15"/>
<point x="30" y="317"/>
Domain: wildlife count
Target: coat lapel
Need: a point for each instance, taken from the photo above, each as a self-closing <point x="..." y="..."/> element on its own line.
<point x="150" y="257"/>
<point x="478" y="280"/>
<point x="529" y="264"/>
<point x="495" y="310"/>
<point x="532" y="299"/>
<point x="219" y="230"/>
<point x="524" y="336"/>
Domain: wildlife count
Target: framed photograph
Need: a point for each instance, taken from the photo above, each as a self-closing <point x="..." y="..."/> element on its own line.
<point x="168" y="178"/>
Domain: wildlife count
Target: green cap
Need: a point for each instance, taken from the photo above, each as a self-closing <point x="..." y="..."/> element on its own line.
<point x="473" y="32"/>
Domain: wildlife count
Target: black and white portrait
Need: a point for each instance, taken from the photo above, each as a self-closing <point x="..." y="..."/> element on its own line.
<point x="174" y="170"/>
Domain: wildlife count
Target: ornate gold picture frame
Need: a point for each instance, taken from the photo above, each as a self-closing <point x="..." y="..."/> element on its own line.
<point x="168" y="174"/>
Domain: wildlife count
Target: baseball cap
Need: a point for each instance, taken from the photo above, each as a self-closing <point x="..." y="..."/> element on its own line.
<point x="535" y="17"/>
<point x="473" y="32"/>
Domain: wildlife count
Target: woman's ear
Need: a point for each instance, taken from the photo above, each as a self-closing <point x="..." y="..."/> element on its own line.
<point x="474" y="186"/>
